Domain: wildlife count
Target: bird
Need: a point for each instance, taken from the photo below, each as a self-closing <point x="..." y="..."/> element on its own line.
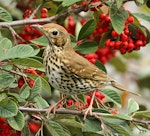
<point x="67" y="71"/>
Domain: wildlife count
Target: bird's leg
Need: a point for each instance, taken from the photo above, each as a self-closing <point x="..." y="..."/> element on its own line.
<point x="54" y="107"/>
<point x="89" y="109"/>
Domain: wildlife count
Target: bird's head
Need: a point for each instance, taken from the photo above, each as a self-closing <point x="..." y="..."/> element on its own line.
<point x="56" y="34"/>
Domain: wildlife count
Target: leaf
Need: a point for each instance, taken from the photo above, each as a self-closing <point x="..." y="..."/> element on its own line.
<point x="118" y="18"/>
<point x="46" y="86"/>
<point x="67" y="3"/>
<point x="42" y="41"/>
<point x="87" y="29"/>
<point x="103" y="39"/>
<point x="70" y="122"/>
<point x="119" y="3"/>
<point x="19" y="51"/>
<point x="29" y="62"/>
<point x="132" y="106"/>
<point x="89" y="127"/>
<point x="119" y="116"/>
<point x="87" y="47"/>
<point x="112" y="96"/>
<point x="6" y="79"/>
<point x="5" y="15"/>
<point x="118" y="127"/>
<point x="142" y="114"/>
<point x="55" y="129"/>
<point x="24" y="92"/>
<point x="100" y="66"/>
<point x="41" y="103"/>
<point x="145" y="17"/>
<point x="5" y="45"/>
<point x="36" y="89"/>
<point x="17" y="122"/>
<point x="9" y="109"/>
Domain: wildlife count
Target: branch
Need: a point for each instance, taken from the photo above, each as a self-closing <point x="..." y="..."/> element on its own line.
<point x="80" y="113"/>
<point x="14" y="72"/>
<point x="44" y="20"/>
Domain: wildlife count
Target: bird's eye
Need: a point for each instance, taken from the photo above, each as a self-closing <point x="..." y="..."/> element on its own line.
<point x="55" y="32"/>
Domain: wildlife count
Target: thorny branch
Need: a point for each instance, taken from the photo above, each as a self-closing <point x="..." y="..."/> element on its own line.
<point x="80" y="113"/>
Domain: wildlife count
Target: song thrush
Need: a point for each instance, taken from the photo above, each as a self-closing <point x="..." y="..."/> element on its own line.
<point x="67" y="71"/>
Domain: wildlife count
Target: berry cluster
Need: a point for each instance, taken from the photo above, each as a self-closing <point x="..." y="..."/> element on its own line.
<point x="73" y="103"/>
<point x="6" y="130"/>
<point x="127" y="41"/>
<point x="21" y="80"/>
<point x="29" y="33"/>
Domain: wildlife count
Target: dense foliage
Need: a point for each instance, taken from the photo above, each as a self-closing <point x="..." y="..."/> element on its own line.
<point x="103" y="32"/>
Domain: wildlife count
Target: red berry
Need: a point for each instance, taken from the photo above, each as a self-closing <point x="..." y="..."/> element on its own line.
<point x="44" y="15"/>
<point x="114" y="33"/>
<point x="115" y="111"/>
<point x="83" y="3"/>
<point x="102" y="16"/>
<point x="44" y="10"/>
<point x="124" y="37"/>
<point x="139" y="43"/>
<point x="21" y="82"/>
<point x="34" y="127"/>
<point x="88" y="99"/>
<point x="130" y="19"/>
<point x="117" y="44"/>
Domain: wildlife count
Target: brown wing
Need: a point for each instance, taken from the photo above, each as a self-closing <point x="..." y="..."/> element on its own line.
<point x="82" y="67"/>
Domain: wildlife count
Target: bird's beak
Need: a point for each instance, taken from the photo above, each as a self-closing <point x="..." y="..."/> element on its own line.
<point x="38" y="27"/>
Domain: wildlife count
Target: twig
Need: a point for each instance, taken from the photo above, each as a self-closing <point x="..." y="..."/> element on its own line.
<point x="78" y="112"/>
<point x="43" y="20"/>
<point x="36" y="10"/>
<point x="14" y="72"/>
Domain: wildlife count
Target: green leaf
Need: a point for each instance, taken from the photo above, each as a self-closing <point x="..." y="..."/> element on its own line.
<point x="87" y="29"/>
<point x="119" y="116"/>
<point x="55" y="129"/>
<point x="29" y="62"/>
<point x="46" y="86"/>
<point x="73" y="41"/>
<point x="24" y="92"/>
<point x="67" y="3"/>
<point x="118" y="127"/>
<point x="118" y="18"/>
<point x="25" y="131"/>
<point x="17" y="122"/>
<point x="9" y="109"/>
<point x="87" y="47"/>
<point x="6" y="79"/>
<point x="100" y="66"/>
<point x="5" y="45"/>
<point x="89" y="127"/>
<point x="42" y="41"/>
<point x="142" y="114"/>
<point x="36" y="89"/>
<point x="132" y="106"/>
<point x="41" y="103"/>
<point x="112" y="96"/>
<point x="70" y="122"/>
<point x="103" y="39"/>
<point x="19" y="51"/>
<point x="5" y="15"/>
<point x="119" y="3"/>
<point x="145" y="17"/>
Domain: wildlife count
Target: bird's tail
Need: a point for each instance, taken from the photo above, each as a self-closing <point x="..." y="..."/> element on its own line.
<point x="120" y="87"/>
